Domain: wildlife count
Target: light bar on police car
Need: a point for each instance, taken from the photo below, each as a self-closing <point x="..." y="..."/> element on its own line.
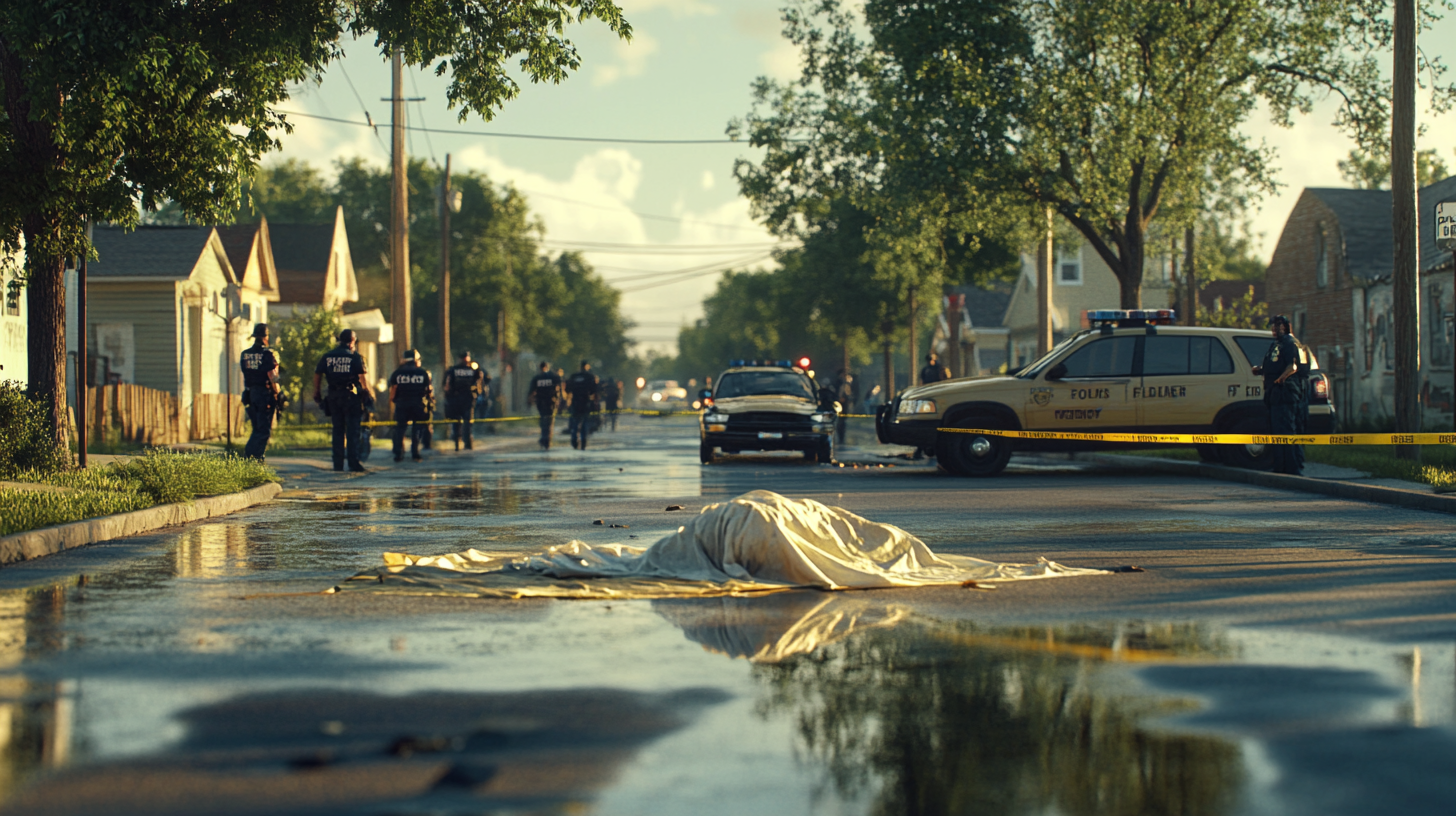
<point x="1131" y="317"/>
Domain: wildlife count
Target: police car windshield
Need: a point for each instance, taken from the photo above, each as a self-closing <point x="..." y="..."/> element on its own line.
<point x="757" y="383"/>
<point x="1030" y="372"/>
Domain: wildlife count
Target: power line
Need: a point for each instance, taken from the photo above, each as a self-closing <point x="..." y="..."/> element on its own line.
<point x="420" y="106"/>
<point x="368" y="120"/>
<point x="612" y="245"/>
<point x="666" y="251"/>
<point x="669" y="219"/>
<point x="708" y="267"/>
<point x="540" y="136"/>
<point x="695" y="274"/>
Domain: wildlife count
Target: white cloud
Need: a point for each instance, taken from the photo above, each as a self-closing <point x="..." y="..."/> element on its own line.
<point x="708" y="180"/>
<point x="781" y="62"/>
<point x="631" y="60"/>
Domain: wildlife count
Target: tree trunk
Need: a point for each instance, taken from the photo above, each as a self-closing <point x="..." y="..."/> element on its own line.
<point x="1044" y="264"/>
<point x="46" y="338"/>
<point x="1191" y="319"/>
<point x="914" y="350"/>
<point x="885" y="329"/>
<point x="1130" y="275"/>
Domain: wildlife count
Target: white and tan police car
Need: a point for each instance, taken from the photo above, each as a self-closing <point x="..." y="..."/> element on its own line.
<point x="1133" y="371"/>
<point x="767" y="405"/>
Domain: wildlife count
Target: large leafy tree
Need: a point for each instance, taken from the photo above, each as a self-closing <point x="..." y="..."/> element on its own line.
<point x="107" y="107"/>
<point x="1109" y="112"/>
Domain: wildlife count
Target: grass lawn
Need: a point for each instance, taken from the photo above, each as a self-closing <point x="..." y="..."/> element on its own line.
<point x="155" y="477"/>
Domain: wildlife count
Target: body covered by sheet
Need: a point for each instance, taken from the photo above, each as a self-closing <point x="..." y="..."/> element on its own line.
<point x="757" y="542"/>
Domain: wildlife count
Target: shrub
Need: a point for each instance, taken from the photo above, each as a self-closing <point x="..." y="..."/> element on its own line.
<point x="177" y="477"/>
<point x="25" y="435"/>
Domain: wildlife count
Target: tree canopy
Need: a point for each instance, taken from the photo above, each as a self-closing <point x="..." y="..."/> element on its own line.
<point x="110" y="107"/>
<point x="962" y="118"/>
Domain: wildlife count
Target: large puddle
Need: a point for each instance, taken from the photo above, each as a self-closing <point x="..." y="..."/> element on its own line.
<point x="802" y="702"/>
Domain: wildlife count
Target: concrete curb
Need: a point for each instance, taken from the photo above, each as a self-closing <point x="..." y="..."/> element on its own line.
<point x="48" y="540"/>
<point x="1329" y="487"/>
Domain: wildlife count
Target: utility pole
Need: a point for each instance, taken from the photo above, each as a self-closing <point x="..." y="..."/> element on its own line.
<point x="1173" y="260"/>
<point x="1191" y="319"/>
<point x="447" y="203"/>
<point x="914" y="347"/>
<point x="1406" y="272"/>
<point x="399" y="266"/>
<point x="885" y="329"/>
<point x="1044" y="262"/>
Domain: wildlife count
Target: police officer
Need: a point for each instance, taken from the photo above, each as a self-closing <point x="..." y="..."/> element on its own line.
<point x="411" y="391"/>
<point x="612" y="399"/>
<point x="464" y="382"/>
<point x="933" y="370"/>
<point x="846" y="393"/>
<point x="260" y="391"/>
<point x="546" y="391"/>
<point x="582" y="387"/>
<point x="349" y="395"/>
<point x="1282" y="393"/>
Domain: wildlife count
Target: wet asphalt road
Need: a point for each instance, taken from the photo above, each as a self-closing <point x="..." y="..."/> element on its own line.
<point x="1280" y="653"/>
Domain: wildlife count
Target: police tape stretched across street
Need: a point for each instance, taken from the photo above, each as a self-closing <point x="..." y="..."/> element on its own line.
<point x="1223" y="438"/>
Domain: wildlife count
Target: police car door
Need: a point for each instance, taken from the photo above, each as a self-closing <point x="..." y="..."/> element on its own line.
<point x="1186" y="380"/>
<point x="1092" y="391"/>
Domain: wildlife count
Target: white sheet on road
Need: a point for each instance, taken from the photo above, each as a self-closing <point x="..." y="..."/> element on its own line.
<point x="758" y="542"/>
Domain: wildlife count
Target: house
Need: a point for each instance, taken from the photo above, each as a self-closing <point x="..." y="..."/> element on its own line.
<point x="981" y="339"/>
<point x="1331" y="274"/>
<point x="1081" y="281"/>
<point x="14" y="338"/>
<point x="165" y="306"/>
<point x="316" y="270"/>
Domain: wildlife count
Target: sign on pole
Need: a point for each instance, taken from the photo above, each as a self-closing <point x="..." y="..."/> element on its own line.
<point x="1446" y="225"/>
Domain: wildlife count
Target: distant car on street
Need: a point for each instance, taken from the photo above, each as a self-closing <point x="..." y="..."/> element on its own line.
<point x="663" y="395"/>
<point x="1132" y="371"/>
<point x="763" y="405"/>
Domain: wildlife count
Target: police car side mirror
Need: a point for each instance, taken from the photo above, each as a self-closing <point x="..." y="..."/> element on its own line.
<point x="1057" y="371"/>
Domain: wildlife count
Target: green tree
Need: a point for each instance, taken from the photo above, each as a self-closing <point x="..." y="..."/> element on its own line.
<point x="1370" y="169"/>
<point x="1109" y="112"/>
<point x="300" y="342"/>
<point x="107" y="107"/>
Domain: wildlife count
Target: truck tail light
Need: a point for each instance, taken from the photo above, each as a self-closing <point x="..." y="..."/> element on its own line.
<point x="1319" y="390"/>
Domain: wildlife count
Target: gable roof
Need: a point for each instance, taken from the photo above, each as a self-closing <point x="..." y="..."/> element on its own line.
<point x="147" y="252"/>
<point x="239" y="241"/>
<point x="313" y="263"/>
<point x="1365" y="216"/>
<point x="986" y="308"/>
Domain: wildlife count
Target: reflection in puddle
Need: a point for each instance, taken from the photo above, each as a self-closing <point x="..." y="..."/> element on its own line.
<point x="962" y="719"/>
<point x="537" y="752"/>
<point x="774" y="627"/>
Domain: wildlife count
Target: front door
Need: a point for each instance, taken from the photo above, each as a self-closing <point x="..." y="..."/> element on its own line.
<point x="1093" y="394"/>
<point x="1186" y="380"/>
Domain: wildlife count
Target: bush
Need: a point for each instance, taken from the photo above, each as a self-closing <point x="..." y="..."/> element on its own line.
<point x="30" y="509"/>
<point x="177" y="477"/>
<point x="25" y="435"/>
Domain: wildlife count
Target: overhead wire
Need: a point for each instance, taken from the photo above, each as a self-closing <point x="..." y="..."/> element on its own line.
<point x="708" y="267"/>
<point x="694" y="274"/>
<point x="420" y="107"/>
<point x="368" y="120"/>
<point x="544" y="137"/>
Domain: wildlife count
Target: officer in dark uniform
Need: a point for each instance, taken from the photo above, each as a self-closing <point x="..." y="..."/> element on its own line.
<point x="582" y="387"/>
<point x="260" y="391"/>
<point x="933" y="370"/>
<point x="546" y="391"/>
<point x="846" y="393"/>
<point x="464" y="381"/>
<point x="411" y="391"/>
<point x="612" y="399"/>
<point x="349" y="395"/>
<point x="1282" y="393"/>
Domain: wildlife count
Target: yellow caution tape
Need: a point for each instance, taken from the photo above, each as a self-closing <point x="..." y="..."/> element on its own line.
<point x="1225" y="438"/>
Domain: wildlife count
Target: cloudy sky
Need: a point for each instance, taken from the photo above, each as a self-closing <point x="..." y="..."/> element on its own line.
<point x="685" y="74"/>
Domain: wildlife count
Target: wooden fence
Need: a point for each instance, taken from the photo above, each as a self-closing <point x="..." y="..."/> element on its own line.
<point x="146" y="416"/>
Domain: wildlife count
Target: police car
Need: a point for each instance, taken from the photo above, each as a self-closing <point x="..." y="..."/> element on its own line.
<point x="767" y="405"/>
<point x="1133" y="370"/>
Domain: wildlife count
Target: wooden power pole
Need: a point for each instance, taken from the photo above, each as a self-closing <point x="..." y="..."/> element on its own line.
<point x="446" y="205"/>
<point x="1191" y="317"/>
<point x="1044" y="262"/>
<point x="399" y="266"/>
<point x="1406" y="272"/>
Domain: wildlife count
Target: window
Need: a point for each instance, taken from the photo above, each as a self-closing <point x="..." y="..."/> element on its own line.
<point x="1165" y="355"/>
<point x="1069" y="271"/>
<point x="1300" y="323"/>
<point x="1254" y="348"/>
<point x="1108" y="357"/>
<point x="12" y="297"/>
<point x="1440" y="342"/>
<point x="750" y="383"/>
<point x="1322" y="258"/>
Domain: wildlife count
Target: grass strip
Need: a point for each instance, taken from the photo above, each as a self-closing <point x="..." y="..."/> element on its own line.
<point x="156" y="477"/>
<point x="1437" y="465"/>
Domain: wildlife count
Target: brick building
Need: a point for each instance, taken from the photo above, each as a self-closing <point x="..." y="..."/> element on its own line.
<point x="1331" y="274"/>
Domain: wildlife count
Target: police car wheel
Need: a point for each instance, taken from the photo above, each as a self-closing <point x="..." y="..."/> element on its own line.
<point x="705" y="453"/>
<point x="1249" y="457"/>
<point x="972" y="454"/>
<point x="1210" y="453"/>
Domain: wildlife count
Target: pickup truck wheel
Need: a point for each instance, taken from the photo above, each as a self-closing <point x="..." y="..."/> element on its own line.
<point x="1249" y="457"/>
<point x="705" y="453"/>
<point x="973" y="454"/>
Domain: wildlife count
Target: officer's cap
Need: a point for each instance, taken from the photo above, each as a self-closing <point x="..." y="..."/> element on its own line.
<point x="464" y="354"/>
<point x="260" y="330"/>
<point x="585" y="363"/>
<point x="1279" y="320"/>
<point x="931" y="357"/>
<point x="347" y="336"/>
<point x="410" y="356"/>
